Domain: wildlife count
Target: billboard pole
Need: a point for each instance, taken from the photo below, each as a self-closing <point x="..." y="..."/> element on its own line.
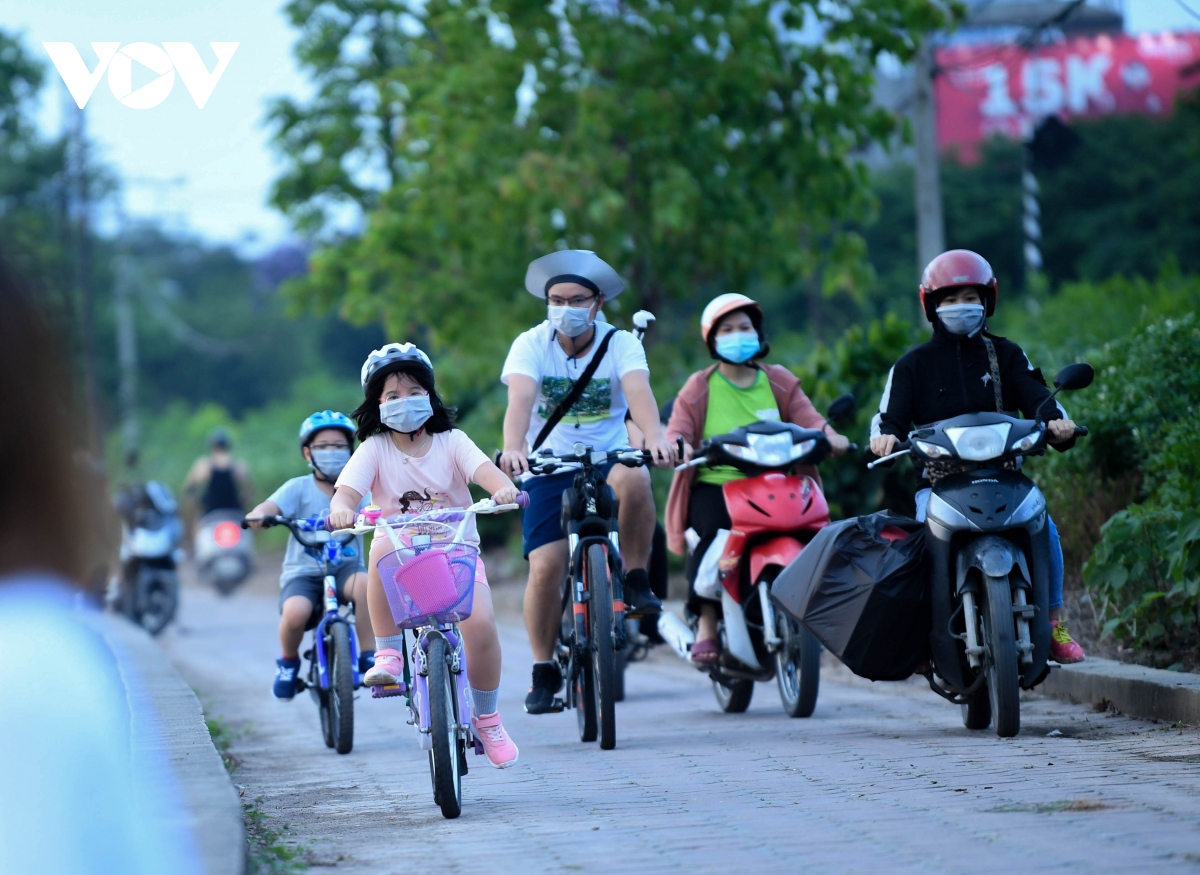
<point x="931" y="229"/>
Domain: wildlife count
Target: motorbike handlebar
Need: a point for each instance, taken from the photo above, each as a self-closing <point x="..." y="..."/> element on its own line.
<point x="1081" y="431"/>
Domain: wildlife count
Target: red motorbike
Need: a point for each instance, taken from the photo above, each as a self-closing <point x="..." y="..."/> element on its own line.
<point x="774" y="514"/>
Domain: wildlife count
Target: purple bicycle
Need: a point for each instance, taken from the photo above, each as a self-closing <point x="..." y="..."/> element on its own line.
<point x="429" y="580"/>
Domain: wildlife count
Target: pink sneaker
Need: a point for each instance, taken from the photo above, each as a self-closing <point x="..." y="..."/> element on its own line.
<point x="1063" y="649"/>
<point x="388" y="669"/>
<point x="498" y="747"/>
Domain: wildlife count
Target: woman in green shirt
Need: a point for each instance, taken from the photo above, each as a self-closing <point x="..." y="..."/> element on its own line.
<point x="737" y="391"/>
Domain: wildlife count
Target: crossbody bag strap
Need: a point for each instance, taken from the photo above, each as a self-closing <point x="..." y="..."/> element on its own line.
<point x="994" y="366"/>
<point x="576" y="392"/>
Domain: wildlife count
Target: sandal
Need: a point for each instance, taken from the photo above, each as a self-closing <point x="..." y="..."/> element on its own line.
<point x="705" y="652"/>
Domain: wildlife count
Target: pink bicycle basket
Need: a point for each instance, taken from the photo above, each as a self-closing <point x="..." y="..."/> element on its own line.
<point x="429" y="584"/>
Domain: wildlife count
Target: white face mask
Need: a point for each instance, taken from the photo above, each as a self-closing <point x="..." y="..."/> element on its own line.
<point x="571" y="321"/>
<point x="406" y="415"/>
<point x="961" y="319"/>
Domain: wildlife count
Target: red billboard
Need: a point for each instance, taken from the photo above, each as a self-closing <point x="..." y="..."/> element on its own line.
<point x="1005" y="90"/>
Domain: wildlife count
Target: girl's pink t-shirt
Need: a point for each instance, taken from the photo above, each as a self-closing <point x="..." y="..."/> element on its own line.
<point x="404" y="484"/>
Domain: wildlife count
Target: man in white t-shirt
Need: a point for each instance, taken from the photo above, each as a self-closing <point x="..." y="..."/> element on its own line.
<point x="540" y="371"/>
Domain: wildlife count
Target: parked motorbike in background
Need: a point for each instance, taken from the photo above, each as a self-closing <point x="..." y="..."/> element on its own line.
<point x="774" y="514"/>
<point x="146" y="587"/>
<point x="989" y="547"/>
<point x="223" y="551"/>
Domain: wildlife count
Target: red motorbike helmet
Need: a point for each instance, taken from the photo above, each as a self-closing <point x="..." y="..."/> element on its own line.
<point x="955" y="269"/>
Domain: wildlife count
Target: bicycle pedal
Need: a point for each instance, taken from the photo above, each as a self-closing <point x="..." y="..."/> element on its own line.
<point x="301" y="685"/>
<point x="478" y="747"/>
<point x="558" y="706"/>
<point x="387" y="691"/>
<point x="308" y="654"/>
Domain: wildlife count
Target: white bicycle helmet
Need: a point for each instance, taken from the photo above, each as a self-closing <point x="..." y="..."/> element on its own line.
<point x="391" y="353"/>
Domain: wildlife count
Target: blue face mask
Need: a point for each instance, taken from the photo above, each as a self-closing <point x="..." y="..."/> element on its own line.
<point x="739" y="347"/>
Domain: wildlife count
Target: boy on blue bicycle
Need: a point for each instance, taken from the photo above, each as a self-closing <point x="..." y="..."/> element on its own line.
<point x="326" y="440"/>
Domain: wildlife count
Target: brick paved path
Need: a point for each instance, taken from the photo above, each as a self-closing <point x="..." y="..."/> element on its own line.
<point x="882" y="779"/>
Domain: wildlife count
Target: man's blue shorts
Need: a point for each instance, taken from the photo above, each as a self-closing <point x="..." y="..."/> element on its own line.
<point x="541" y="522"/>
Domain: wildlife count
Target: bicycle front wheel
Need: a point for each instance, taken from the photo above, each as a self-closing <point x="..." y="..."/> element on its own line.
<point x="443" y="726"/>
<point x="341" y="688"/>
<point x="600" y="630"/>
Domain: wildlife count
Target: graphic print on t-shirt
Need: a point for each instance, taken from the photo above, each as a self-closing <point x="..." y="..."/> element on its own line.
<point x="593" y="405"/>
<point x="423" y="501"/>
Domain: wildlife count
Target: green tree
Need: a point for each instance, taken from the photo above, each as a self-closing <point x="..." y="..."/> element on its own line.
<point x="698" y="146"/>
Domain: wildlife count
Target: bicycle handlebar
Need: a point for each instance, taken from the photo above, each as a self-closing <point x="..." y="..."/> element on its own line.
<point x="483" y="506"/>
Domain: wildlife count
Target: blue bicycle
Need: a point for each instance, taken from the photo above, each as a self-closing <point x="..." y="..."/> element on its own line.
<point x="332" y="675"/>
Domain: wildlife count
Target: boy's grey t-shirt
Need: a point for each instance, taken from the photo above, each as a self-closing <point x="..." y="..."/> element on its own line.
<point x="301" y="498"/>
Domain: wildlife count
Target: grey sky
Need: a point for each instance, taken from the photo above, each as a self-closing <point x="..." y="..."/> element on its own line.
<point x="221" y="152"/>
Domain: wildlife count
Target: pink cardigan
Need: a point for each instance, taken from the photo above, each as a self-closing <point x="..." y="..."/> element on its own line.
<point x="687" y="421"/>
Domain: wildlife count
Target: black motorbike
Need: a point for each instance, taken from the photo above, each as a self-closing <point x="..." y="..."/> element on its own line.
<point x="988" y="543"/>
<point x="147" y="584"/>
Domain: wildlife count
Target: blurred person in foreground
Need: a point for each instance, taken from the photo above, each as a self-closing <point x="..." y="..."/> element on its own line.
<point x="79" y="798"/>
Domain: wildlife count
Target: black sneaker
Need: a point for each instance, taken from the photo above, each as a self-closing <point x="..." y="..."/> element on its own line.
<point x="547" y="681"/>
<point x="639" y="600"/>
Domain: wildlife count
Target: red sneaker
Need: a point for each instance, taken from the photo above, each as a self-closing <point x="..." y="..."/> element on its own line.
<point x="1063" y="649"/>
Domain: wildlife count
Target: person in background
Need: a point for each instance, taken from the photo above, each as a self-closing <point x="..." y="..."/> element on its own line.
<point x="217" y="481"/>
<point x="326" y="441"/>
<point x="79" y="797"/>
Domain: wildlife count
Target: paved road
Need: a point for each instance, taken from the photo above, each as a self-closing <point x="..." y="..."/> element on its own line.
<point x="882" y="779"/>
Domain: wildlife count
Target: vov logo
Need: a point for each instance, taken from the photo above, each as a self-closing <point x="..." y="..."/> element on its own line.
<point x="118" y="60"/>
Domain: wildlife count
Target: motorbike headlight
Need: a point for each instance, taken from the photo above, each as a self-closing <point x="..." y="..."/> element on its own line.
<point x="979" y="443"/>
<point x="933" y="451"/>
<point x="1027" y="443"/>
<point x="772" y="449"/>
<point x="803" y="448"/>
<point x="746" y="454"/>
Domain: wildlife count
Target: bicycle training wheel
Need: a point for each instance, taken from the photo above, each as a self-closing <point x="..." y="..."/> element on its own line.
<point x="600" y="631"/>
<point x="341" y="688"/>
<point x="443" y="726"/>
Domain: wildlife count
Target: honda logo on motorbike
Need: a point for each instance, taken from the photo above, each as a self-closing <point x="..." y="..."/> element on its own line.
<point x="118" y="60"/>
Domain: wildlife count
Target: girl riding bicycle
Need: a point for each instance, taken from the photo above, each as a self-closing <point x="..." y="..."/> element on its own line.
<point x="412" y="459"/>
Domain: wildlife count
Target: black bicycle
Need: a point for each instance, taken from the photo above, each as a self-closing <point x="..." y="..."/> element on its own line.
<point x="593" y="627"/>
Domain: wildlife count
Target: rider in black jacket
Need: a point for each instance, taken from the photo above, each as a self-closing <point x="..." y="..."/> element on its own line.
<point x="952" y="374"/>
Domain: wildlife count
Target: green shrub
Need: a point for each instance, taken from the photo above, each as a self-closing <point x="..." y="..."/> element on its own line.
<point x="1144" y="417"/>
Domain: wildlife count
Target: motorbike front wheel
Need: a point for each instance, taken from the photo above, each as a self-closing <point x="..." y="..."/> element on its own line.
<point x="977" y="710"/>
<point x="733" y="695"/>
<point x="157" y="601"/>
<point x="797" y="667"/>
<point x="1000" y="637"/>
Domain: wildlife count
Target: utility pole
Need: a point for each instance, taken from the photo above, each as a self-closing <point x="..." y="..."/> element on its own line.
<point x="1031" y="218"/>
<point x="931" y="227"/>
<point x="83" y="269"/>
<point x="126" y="354"/>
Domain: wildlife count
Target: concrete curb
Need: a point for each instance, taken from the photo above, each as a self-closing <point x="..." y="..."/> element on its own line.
<point x="166" y="721"/>
<point x="1135" y="690"/>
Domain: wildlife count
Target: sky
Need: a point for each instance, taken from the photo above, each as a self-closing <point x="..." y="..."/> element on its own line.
<point x="208" y="172"/>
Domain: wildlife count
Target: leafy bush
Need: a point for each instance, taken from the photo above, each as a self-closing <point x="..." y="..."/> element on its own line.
<point x="859" y="363"/>
<point x="1143" y="414"/>
<point x="1145" y="573"/>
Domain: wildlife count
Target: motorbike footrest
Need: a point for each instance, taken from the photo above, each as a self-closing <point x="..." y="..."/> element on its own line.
<point x="386" y="691"/>
<point x="1026" y="611"/>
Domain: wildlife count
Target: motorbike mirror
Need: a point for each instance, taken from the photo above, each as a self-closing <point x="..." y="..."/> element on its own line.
<point x="1076" y="376"/>
<point x="842" y="409"/>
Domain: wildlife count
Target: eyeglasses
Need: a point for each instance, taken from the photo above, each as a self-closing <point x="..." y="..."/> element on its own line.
<point x="570" y="302"/>
<point x="329" y="447"/>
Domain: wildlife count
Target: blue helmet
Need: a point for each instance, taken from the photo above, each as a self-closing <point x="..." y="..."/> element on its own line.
<point x="326" y="419"/>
